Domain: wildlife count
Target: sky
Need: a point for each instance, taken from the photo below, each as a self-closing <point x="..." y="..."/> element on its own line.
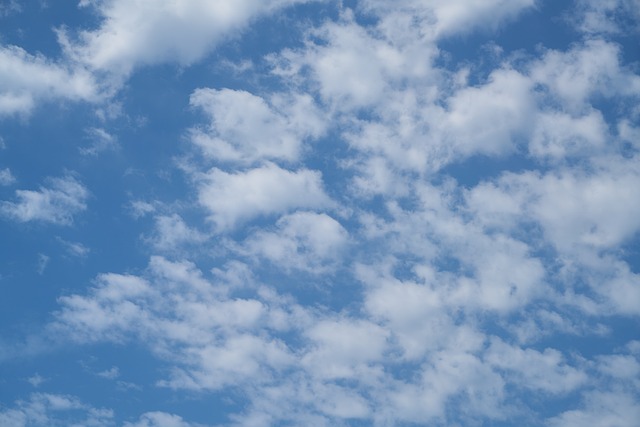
<point x="250" y="213"/>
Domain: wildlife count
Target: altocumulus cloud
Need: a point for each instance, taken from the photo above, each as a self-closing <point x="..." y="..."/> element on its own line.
<point x="319" y="213"/>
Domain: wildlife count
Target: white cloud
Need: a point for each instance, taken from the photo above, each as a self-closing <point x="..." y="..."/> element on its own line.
<point x="602" y="409"/>
<point x="54" y="410"/>
<point x="303" y="240"/>
<point x="101" y="140"/>
<point x="75" y="249"/>
<point x="160" y="419"/>
<point x="36" y="379"/>
<point x="606" y="16"/>
<point x="449" y="17"/>
<point x="172" y="233"/>
<point x="489" y="119"/>
<point x="57" y="203"/>
<point x="212" y="340"/>
<point x="27" y="79"/>
<point x="245" y="128"/>
<point x="141" y="32"/>
<point x="353" y="67"/>
<point x="535" y="370"/>
<point x="344" y="349"/>
<point x="110" y="374"/>
<point x="232" y="198"/>
<point x="6" y="177"/>
<point x="591" y="68"/>
<point x="559" y="136"/>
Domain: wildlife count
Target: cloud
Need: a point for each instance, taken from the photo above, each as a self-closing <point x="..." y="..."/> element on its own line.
<point x="6" y="177"/>
<point x="36" y="379"/>
<point x="476" y="217"/>
<point x="245" y="128"/>
<point x="232" y="198"/>
<point x="138" y="33"/>
<point x="573" y="207"/>
<point x="57" y="203"/>
<point x="54" y="410"/>
<point x="601" y="409"/>
<point x="304" y="241"/>
<point x="9" y="7"/>
<point x="27" y="79"/>
<point x="160" y="419"/>
<point x="607" y="16"/>
<point x="536" y="370"/>
<point x="110" y="374"/>
<point x="101" y="141"/>
<point x="172" y="233"/>
<point x="75" y="249"/>
<point x="451" y="17"/>
<point x="593" y="68"/>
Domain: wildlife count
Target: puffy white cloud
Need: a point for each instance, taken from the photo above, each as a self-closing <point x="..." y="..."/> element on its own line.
<point x="143" y="32"/>
<point x="27" y="79"/>
<point x="559" y="136"/>
<point x="490" y="118"/>
<point x="591" y="68"/>
<point x="344" y="348"/>
<point x="212" y="339"/>
<point x="305" y="241"/>
<point x="232" y="198"/>
<point x="57" y="203"/>
<point x="536" y="370"/>
<point x="245" y="128"/>
<point x="353" y="67"/>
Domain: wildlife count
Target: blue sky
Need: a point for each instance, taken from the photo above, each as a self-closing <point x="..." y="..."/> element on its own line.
<point x="319" y="213"/>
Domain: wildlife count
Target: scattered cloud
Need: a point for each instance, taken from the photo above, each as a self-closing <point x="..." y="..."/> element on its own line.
<point x="56" y="203"/>
<point x="101" y="141"/>
<point x="6" y="177"/>
<point x="387" y="226"/>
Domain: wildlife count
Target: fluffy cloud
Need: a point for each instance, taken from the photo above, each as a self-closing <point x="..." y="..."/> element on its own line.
<point x="245" y="128"/>
<point x="231" y="198"/>
<point x="27" y="79"/>
<point x="602" y="409"/>
<point x="449" y="286"/>
<point x="56" y="203"/>
<point x="607" y="16"/>
<point x="142" y="32"/>
<point x="172" y="233"/>
<point x="304" y="241"/>
<point x="574" y="77"/>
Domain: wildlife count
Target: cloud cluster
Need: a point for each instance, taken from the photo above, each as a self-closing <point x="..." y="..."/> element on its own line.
<point x="387" y="238"/>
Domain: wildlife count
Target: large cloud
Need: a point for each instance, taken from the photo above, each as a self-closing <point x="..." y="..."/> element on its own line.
<point x="144" y="32"/>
